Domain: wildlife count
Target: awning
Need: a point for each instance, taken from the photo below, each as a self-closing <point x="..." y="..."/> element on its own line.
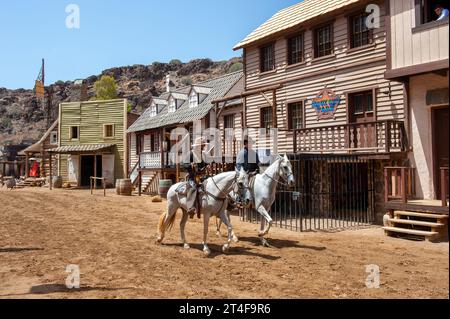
<point x="72" y="149"/>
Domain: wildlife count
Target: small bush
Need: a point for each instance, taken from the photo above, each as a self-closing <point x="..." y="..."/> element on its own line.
<point x="175" y="62"/>
<point x="187" y="81"/>
<point x="238" y="66"/>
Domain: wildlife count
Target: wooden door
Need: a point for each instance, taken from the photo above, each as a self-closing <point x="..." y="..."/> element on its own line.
<point x="440" y="145"/>
<point x="362" y="131"/>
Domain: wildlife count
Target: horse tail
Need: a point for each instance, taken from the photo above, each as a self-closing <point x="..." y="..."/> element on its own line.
<point x="162" y="227"/>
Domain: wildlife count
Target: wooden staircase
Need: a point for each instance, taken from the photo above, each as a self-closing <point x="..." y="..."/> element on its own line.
<point x="416" y="225"/>
<point x="149" y="183"/>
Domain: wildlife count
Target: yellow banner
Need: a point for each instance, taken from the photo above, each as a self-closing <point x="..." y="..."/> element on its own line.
<point x="40" y="90"/>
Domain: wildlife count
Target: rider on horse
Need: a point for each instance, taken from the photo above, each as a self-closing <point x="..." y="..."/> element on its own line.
<point x="196" y="171"/>
<point x="247" y="159"/>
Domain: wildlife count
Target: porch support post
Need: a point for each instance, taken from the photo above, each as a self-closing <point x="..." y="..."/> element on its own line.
<point x="404" y="188"/>
<point x="140" y="183"/>
<point x="274" y="109"/>
<point x="386" y="185"/>
<point x="95" y="171"/>
<point x="50" y="171"/>
<point x="27" y="174"/>
<point x="443" y="188"/>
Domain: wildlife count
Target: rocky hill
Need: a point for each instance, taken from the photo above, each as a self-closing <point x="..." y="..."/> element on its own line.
<point x="22" y="116"/>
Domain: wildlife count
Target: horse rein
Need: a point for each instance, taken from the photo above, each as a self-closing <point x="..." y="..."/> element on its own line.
<point x="278" y="182"/>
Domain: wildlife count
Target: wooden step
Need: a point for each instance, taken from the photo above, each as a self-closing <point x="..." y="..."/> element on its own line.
<point x="424" y="215"/>
<point x="415" y="222"/>
<point x="411" y="231"/>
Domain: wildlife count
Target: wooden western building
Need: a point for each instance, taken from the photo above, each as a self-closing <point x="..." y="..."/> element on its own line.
<point x="418" y="57"/>
<point x="317" y="73"/>
<point x="92" y="141"/>
<point x="189" y="108"/>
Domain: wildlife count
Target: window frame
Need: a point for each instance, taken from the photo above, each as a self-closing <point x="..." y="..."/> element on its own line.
<point x="289" y="52"/>
<point x="172" y="108"/>
<point x="71" y="133"/>
<point x="105" y="131"/>
<point x="227" y="117"/>
<point x="262" y="57"/>
<point x="192" y="104"/>
<point x="350" y="105"/>
<point x="290" y="123"/>
<point x="54" y="138"/>
<point x="350" y="26"/>
<point x="155" y="145"/>
<point x="262" y="111"/>
<point x="419" y="18"/>
<point x="329" y="24"/>
<point x="153" y="110"/>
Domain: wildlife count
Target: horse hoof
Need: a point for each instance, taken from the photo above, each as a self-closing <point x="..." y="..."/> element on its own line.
<point x="265" y="243"/>
<point x="235" y="239"/>
<point x="159" y="241"/>
<point x="226" y="248"/>
<point x="219" y="234"/>
<point x="186" y="246"/>
<point x="207" y="252"/>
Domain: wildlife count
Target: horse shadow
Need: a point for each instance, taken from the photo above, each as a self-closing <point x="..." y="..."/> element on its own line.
<point x="18" y="250"/>
<point x="48" y="289"/>
<point x="216" y="250"/>
<point x="281" y="243"/>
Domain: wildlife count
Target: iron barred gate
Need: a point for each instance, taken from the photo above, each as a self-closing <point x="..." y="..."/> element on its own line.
<point x="332" y="192"/>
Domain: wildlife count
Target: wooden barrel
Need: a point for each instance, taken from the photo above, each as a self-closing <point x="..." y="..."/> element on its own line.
<point x="57" y="182"/>
<point x="124" y="187"/>
<point x="164" y="186"/>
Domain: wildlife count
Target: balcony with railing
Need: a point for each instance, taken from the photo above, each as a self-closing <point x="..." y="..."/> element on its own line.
<point x="369" y="137"/>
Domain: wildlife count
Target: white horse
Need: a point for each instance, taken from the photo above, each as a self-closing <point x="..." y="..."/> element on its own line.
<point x="213" y="202"/>
<point x="264" y="193"/>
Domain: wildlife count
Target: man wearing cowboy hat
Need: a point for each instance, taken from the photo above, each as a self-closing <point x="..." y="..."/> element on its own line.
<point x="247" y="158"/>
<point x="195" y="169"/>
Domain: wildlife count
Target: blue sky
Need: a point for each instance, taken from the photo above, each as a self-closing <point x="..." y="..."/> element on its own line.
<point x="116" y="33"/>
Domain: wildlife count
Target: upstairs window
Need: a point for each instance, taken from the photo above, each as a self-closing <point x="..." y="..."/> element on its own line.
<point x="323" y="40"/>
<point x="361" y="102"/>
<point x="193" y="99"/>
<point x="154" y="142"/>
<point x="295" y="116"/>
<point x="296" y="49"/>
<point x="228" y="121"/>
<point x="360" y="34"/>
<point x="74" y="132"/>
<point x="153" y="110"/>
<point x="431" y="10"/>
<point x="266" y="118"/>
<point x="108" y="131"/>
<point x="54" y="138"/>
<point x="267" y="58"/>
<point x="172" y="105"/>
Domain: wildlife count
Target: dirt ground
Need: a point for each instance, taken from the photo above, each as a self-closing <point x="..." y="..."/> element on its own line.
<point x="112" y="241"/>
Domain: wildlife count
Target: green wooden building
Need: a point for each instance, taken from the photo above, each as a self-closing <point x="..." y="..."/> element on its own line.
<point x="93" y="141"/>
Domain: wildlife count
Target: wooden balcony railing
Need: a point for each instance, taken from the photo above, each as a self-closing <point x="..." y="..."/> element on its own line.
<point x="399" y="183"/>
<point x="370" y="137"/>
<point x="150" y="160"/>
<point x="444" y="186"/>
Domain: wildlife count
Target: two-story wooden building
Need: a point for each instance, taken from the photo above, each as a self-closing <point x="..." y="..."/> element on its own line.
<point x="92" y="141"/>
<point x="315" y="72"/>
<point x="191" y="109"/>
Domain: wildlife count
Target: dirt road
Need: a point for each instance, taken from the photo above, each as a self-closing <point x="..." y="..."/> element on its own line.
<point x="112" y="241"/>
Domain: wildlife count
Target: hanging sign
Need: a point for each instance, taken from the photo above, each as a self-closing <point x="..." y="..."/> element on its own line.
<point x="326" y="104"/>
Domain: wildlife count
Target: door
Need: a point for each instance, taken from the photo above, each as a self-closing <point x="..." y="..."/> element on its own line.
<point x="440" y="145"/>
<point x="108" y="169"/>
<point x="362" y="134"/>
<point x="90" y="166"/>
<point x="73" y="168"/>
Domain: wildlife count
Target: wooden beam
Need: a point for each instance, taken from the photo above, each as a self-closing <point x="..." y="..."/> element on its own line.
<point x="274" y="109"/>
<point x="50" y="171"/>
<point x="249" y="93"/>
<point x="27" y="168"/>
<point x="267" y="99"/>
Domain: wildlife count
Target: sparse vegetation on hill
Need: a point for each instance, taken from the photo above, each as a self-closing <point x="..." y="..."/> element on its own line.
<point x="23" y="116"/>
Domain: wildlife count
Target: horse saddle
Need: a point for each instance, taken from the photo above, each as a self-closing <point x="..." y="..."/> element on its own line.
<point x="182" y="189"/>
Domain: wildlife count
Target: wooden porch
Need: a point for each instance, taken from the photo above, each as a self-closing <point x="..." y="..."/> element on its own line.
<point x="380" y="137"/>
<point x="411" y="217"/>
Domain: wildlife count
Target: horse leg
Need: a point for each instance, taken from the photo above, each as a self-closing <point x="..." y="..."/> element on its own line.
<point x="226" y="221"/>
<point x="184" y="220"/>
<point x="218" y="226"/>
<point x="235" y="238"/>
<point x="206" y="249"/>
<point x="264" y="230"/>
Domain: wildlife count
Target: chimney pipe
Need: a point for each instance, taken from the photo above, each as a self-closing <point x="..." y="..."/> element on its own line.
<point x="168" y="83"/>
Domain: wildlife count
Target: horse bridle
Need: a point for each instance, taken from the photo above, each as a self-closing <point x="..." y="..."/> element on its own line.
<point x="278" y="182"/>
<point x="221" y="192"/>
